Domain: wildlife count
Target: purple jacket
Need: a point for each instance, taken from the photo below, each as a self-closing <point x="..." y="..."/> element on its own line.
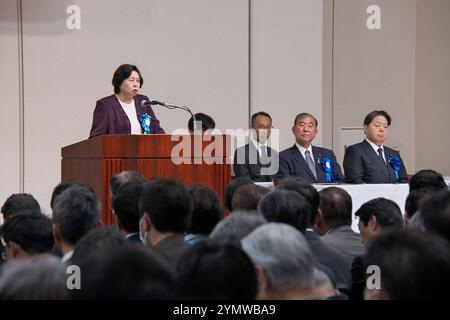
<point x="110" y="118"/>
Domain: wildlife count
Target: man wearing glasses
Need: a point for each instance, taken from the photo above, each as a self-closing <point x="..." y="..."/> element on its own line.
<point x="256" y="160"/>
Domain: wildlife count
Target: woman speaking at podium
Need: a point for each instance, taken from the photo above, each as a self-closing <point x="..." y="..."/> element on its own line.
<point x="126" y="111"/>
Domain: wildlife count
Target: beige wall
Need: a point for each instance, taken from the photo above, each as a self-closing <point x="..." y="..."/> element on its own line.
<point x="9" y="105"/>
<point x="433" y="86"/>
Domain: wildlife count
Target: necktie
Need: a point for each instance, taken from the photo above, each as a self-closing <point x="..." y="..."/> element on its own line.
<point x="264" y="159"/>
<point x="310" y="163"/>
<point x="380" y="154"/>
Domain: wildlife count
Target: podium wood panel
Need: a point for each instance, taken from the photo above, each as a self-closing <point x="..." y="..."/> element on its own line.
<point x="95" y="161"/>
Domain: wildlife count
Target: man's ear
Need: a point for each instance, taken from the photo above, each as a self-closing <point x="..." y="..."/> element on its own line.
<point x="14" y="249"/>
<point x="365" y="129"/>
<point x="372" y="224"/>
<point x="264" y="286"/>
<point x="146" y="222"/>
<point x="57" y="235"/>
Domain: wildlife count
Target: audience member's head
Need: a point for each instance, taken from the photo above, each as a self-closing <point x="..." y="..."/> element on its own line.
<point x="231" y="189"/>
<point x="413" y="201"/>
<point x="206" y="122"/>
<point x="214" y="271"/>
<point x="236" y="227"/>
<point x="59" y="189"/>
<point x="39" y="278"/>
<point x="166" y="207"/>
<point x="435" y="212"/>
<point x="96" y="240"/>
<point x="306" y="190"/>
<point x="283" y="260"/>
<point x="378" y="215"/>
<point x="26" y="234"/>
<point x="286" y="206"/>
<point x="413" y="265"/>
<point x="323" y="287"/>
<point x="208" y="210"/>
<point x="248" y="196"/>
<point x="124" y="272"/>
<point x="125" y="204"/>
<point x="17" y="203"/>
<point x="125" y="176"/>
<point x="76" y="212"/>
<point x="335" y="209"/>
<point x="429" y="179"/>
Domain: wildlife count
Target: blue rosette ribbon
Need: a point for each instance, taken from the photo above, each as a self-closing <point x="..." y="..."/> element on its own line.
<point x="327" y="166"/>
<point x="146" y="120"/>
<point x="396" y="164"/>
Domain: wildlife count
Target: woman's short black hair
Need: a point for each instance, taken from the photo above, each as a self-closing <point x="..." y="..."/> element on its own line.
<point x="122" y="73"/>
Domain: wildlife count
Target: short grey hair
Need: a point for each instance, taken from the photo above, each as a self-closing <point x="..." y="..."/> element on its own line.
<point x="282" y="251"/>
<point x="40" y="278"/>
<point x="76" y="212"/>
<point x="236" y="226"/>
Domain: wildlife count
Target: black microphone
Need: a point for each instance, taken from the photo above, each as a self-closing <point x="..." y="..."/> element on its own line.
<point x="145" y="103"/>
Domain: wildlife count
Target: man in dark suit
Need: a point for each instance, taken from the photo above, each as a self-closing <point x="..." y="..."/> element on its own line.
<point x="370" y="161"/>
<point x="256" y="160"/>
<point x="314" y="164"/>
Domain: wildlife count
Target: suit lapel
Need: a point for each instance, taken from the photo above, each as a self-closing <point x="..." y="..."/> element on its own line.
<point x="375" y="159"/>
<point x="301" y="162"/>
<point x="318" y="163"/>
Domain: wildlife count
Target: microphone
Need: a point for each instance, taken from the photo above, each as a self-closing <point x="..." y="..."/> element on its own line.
<point x="145" y="103"/>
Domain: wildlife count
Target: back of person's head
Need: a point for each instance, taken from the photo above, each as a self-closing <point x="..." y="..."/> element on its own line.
<point x="76" y="212"/>
<point x="213" y="271"/>
<point x="118" y="179"/>
<point x="231" y="189"/>
<point x="429" y="179"/>
<point x="248" y="196"/>
<point x="286" y="206"/>
<point x="206" y="122"/>
<point x="284" y="254"/>
<point x="236" y="227"/>
<point x="386" y="212"/>
<point x="414" y="199"/>
<point x="18" y="202"/>
<point x="125" y="204"/>
<point x="413" y="265"/>
<point x="335" y="207"/>
<point x="306" y="190"/>
<point x="59" y="189"/>
<point x="31" y="231"/>
<point x="124" y="272"/>
<point x="208" y="210"/>
<point x="168" y="204"/>
<point x="95" y="240"/>
<point x="40" y="278"/>
<point x="435" y="212"/>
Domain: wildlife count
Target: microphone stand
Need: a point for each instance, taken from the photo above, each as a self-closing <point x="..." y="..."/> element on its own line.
<point x="174" y="106"/>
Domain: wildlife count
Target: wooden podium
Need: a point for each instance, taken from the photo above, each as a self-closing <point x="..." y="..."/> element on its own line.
<point x="94" y="161"/>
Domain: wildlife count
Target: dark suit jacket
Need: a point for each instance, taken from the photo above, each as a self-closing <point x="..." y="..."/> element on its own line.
<point x="251" y="168"/>
<point x="363" y="165"/>
<point x="292" y="163"/>
<point x="331" y="258"/>
<point x="110" y="118"/>
<point x="347" y="241"/>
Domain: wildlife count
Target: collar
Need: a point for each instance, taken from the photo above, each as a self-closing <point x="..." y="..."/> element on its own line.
<point x="374" y="146"/>
<point x="303" y="150"/>
<point x="67" y="257"/>
<point x="129" y="235"/>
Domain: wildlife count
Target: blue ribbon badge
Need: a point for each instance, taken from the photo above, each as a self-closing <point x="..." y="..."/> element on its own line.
<point x="396" y="164"/>
<point x="145" y="123"/>
<point x="327" y="166"/>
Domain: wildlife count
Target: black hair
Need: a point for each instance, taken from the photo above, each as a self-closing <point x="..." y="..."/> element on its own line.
<point x="248" y="196"/>
<point x="208" y="210"/>
<point x="386" y="211"/>
<point x="260" y="113"/>
<point x="231" y="189"/>
<point x="414" y="198"/>
<point x="217" y="272"/>
<point x="435" y="212"/>
<point x="32" y="231"/>
<point x="369" y="118"/>
<point x="123" y="177"/>
<point x="168" y="204"/>
<point x="122" y="73"/>
<point x="413" y="265"/>
<point x="286" y="206"/>
<point x="18" y="202"/>
<point x="207" y="122"/>
<point x="305" y="189"/>
<point x="125" y="204"/>
<point x="305" y="115"/>
<point x="336" y="206"/>
<point x="63" y="186"/>
<point x="429" y="179"/>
